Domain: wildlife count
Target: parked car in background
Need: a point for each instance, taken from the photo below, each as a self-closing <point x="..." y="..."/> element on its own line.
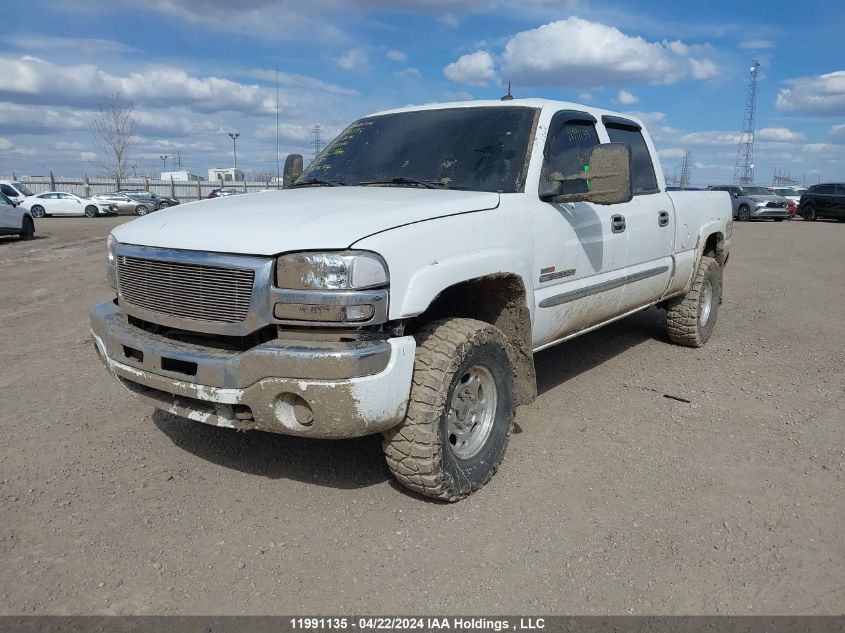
<point x="15" y="190"/>
<point x="141" y="194"/>
<point x="823" y="201"/>
<point x="754" y="203"/>
<point x="223" y="192"/>
<point x="790" y="193"/>
<point x="127" y="205"/>
<point x="64" y="203"/>
<point x="15" y="220"/>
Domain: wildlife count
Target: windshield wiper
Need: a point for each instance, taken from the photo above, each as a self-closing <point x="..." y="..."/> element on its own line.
<point x="319" y="183"/>
<point x="428" y="184"/>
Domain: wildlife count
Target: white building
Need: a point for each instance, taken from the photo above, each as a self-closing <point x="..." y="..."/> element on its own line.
<point x="180" y="176"/>
<point x="228" y="174"/>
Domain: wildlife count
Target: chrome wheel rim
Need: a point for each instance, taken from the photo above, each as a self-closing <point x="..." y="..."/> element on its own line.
<point x="472" y="410"/>
<point x="706" y="303"/>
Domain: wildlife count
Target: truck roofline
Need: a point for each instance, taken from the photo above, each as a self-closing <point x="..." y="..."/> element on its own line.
<point x="541" y="104"/>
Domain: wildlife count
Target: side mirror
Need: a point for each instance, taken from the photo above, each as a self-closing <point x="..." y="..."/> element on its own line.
<point x="734" y="195"/>
<point x="292" y="171"/>
<point x="608" y="178"/>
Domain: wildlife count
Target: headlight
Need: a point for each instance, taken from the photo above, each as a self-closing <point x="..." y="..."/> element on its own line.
<point x="111" y="261"/>
<point x="344" y="270"/>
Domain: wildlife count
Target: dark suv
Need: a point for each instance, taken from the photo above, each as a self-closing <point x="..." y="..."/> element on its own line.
<point x="823" y="201"/>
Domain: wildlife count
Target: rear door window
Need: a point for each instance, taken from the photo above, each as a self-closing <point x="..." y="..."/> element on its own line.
<point x="643" y="179"/>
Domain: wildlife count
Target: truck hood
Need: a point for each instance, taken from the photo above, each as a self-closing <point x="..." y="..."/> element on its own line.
<point x="310" y="218"/>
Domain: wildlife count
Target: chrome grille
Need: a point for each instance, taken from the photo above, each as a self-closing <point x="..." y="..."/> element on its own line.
<point x="188" y="291"/>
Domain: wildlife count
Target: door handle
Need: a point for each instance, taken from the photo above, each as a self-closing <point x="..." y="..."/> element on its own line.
<point x="663" y="218"/>
<point x="617" y="223"/>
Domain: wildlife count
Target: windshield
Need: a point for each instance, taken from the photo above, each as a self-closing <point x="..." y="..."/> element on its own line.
<point x="755" y="191"/>
<point x="23" y="188"/>
<point x="480" y="149"/>
<point x="786" y="191"/>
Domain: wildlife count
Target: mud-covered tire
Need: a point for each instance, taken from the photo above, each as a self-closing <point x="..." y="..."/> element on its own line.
<point x="419" y="452"/>
<point x="690" y="318"/>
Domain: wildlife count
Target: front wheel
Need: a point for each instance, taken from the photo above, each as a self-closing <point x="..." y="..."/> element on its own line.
<point x="744" y="213"/>
<point x="27" y="229"/>
<point x="141" y="209"/>
<point x="164" y="205"/>
<point x="460" y="411"/>
<point x="690" y="318"/>
<point x="90" y="212"/>
<point x="37" y="211"/>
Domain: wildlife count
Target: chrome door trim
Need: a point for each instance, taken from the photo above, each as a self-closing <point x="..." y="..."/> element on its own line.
<point x="604" y="286"/>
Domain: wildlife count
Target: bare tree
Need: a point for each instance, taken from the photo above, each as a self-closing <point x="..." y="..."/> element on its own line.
<point x="113" y="130"/>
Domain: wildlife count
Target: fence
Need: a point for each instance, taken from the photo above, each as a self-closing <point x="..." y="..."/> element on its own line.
<point x="181" y="190"/>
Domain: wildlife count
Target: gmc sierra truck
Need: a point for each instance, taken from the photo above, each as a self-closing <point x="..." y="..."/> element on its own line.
<point x="402" y="283"/>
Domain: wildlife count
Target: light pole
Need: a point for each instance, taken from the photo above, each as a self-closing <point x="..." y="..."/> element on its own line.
<point x="163" y="162"/>
<point x="234" y="136"/>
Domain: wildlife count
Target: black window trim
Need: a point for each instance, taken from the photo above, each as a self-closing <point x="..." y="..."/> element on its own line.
<point x="564" y="117"/>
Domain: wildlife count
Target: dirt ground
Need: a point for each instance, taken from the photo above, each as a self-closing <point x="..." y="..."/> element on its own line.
<point x="612" y="498"/>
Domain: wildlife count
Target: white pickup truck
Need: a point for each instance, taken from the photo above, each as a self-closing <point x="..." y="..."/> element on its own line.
<point x="403" y="282"/>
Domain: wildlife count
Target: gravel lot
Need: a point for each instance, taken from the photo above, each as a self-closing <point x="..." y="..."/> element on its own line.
<point x="612" y="498"/>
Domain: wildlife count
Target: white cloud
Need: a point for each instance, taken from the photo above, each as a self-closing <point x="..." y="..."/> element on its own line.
<point x="396" y="56"/>
<point x="751" y="45"/>
<point x="77" y="46"/>
<point x="673" y="152"/>
<point x="837" y="133"/>
<point x="626" y="98"/>
<point x="474" y="69"/>
<point x="580" y="53"/>
<point x="19" y="119"/>
<point x="712" y="137"/>
<point x="585" y="97"/>
<point x="302" y="82"/>
<point x="88" y="157"/>
<point x="413" y="73"/>
<point x="450" y="20"/>
<point x="778" y="135"/>
<point x="354" y="59"/>
<point x="32" y="80"/>
<point x="703" y="69"/>
<point x="821" y="95"/>
<point x="5" y="145"/>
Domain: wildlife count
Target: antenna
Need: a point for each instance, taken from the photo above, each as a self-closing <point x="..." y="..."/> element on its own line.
<point x="744" y="168"/>
<point x="509" y="96"/>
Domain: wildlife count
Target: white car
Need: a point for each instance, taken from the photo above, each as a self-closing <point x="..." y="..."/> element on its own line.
<point x="14" y="220"/>
<point x="791" y="193"/>
<point x="14" y="190"/>
<point x="63" y="203"/>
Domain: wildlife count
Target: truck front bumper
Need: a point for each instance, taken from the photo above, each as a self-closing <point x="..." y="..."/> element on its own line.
<point x="308" y="388"/>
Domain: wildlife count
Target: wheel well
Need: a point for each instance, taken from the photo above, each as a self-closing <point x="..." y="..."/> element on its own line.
<point x="714" y="247"/>
<point x="499" y="300"/>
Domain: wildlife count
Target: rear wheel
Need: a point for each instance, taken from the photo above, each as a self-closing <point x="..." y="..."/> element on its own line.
<point x="744" y="213"/>
<point x="810" y="213"/>
<point x="90" y="211"/>
<point x="460" y="410"/>
<point x="141" y="209"/>
<point x="27" y="229"/>
<point x="37" y="211"/>
<point x="691" y="317"/>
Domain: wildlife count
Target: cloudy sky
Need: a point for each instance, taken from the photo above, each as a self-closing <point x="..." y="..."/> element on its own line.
<point x="196" y="69"/>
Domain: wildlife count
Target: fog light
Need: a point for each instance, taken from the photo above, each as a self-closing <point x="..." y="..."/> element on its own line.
<point x="293" y="411"/>
<point x="360" y="313"/>
<point x="323" y="313"/>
